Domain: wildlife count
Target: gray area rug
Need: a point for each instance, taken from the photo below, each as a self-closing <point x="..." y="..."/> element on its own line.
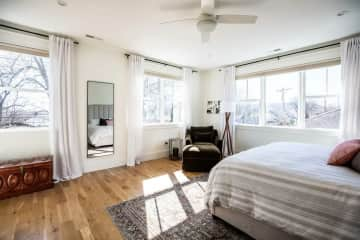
<point x="177" y="212"/>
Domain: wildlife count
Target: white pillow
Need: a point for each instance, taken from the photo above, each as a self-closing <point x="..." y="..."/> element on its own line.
<point x="94" y="122"/>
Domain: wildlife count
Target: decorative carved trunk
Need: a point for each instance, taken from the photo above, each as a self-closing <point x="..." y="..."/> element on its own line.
<point x="25" y="176"/>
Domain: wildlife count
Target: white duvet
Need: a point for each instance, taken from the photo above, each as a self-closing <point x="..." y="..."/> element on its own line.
<point x="290" y="186"/>
<point x="100" y="135"/>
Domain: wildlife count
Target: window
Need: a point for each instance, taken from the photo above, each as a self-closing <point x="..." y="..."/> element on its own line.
<point x="308" y="98"/>
<point x="24" y="99"/>
<point x="322" y="109"/>
<point x="282" y="94"/>
<point x="162" y="100"/>
<point x="248" y="107"/>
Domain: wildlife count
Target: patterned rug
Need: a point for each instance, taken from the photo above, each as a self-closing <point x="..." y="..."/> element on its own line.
<point x="177" y="212"/>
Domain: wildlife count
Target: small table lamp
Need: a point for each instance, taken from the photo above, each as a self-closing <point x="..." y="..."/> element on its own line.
<point x="228" y="107"/>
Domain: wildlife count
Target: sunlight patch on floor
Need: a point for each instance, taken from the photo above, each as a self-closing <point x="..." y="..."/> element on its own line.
<point x="180" y="177"/>
<point x="195" y="195"/>
<point x="163" y="212"/>
<point x="152" y="219"/>
<point x="202" y="185"/>
<point x="156" y="184"/>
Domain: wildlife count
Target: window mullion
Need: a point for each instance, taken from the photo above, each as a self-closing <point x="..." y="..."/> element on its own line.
<point x="262" y="112"/>
<point x="161" y="100"/>
<point x="302" y="100"/>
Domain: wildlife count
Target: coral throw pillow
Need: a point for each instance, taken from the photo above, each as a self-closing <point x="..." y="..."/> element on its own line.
<point x="344" y="152"/>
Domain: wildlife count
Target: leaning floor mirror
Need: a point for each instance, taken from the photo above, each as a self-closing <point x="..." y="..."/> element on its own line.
<point x="100" y="119"/>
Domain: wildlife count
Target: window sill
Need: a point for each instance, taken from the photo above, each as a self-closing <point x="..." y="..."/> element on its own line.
<point x="163" y="125"/>
<point x="24" y="129"/>
<point x="290" y="130"/>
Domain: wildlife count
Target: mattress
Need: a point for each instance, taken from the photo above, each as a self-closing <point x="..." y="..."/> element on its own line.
<point x="100" y="135"/>
<point x="289" y="186"/>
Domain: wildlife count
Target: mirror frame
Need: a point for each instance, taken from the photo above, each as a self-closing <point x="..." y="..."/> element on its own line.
<point x="87" y="117"/>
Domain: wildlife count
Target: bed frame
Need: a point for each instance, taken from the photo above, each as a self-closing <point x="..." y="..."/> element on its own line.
<point x="257" y="229"/>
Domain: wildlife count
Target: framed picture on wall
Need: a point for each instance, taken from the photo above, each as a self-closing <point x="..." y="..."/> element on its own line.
<point x="213" y="107"/>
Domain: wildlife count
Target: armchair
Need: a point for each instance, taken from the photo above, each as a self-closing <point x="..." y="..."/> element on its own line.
<point x="202" y="150"/>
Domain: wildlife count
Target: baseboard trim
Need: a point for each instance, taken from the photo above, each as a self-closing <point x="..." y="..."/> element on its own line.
<point x="154" y="155"/>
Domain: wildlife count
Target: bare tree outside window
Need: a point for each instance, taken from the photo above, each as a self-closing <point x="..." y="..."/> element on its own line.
<point x="24" y="84"/>
<point x="322" y="99"/>
<point x="282" y="99"/>
<point x="162" y="100"/>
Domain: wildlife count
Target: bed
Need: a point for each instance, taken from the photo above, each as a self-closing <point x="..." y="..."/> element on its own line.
<point x="99" y="133"/>
<point x="286" y="191"/>
<point x="99" y="136"/>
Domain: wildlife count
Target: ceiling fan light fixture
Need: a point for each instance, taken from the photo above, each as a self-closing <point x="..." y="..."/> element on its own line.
<point x="62" y="3"/>
<point x="206" y="25"/>
<point x="342" y="13"/>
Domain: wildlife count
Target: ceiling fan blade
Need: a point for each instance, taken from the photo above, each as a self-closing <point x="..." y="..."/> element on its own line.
<point x="183" y="5"/>
<point x="236" y="3"/>
<point x="205" y="37"/>
<point x="207" y="6"/>
<point x="236" y="19"/>
<point x="179" y="20"/>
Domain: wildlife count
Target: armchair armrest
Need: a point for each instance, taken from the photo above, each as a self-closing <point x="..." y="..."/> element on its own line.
<point x="219" y="144"/>
<point x="188" y="140"/>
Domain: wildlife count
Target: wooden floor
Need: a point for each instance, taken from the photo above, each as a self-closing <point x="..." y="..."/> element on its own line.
<point x="77" y="209"/>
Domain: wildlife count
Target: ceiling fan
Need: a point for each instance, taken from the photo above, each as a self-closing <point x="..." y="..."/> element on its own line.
<point x="208" y="20"/>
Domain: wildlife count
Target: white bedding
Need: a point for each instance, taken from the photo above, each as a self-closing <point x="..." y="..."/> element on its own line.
<point x="290" y="186"/>
<point x="100" y="135"/>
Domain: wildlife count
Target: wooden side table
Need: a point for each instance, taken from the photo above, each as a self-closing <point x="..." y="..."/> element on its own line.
<point x="25" y="176"/>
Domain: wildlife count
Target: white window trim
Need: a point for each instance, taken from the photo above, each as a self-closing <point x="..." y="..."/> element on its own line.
<point x="301" y="109"/>
<point x="24" y="129"/>
<point x="162" y="123"/>
<point x="290" y="130"/>
<point x="29" y="51"/>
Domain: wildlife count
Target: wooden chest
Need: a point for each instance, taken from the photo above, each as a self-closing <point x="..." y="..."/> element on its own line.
<point x="25" y="176"/>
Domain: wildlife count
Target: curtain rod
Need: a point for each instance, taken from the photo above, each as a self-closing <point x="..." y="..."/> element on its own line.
<point x="287" y="54"/>
<point x="29" y="32"/>
<point x="162" y="63"/>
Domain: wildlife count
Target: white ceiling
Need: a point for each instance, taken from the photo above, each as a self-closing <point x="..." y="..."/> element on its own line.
<point x="134" y="25"/>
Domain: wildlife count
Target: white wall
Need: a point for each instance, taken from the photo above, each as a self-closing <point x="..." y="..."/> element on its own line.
<point x="248" y="136"/>
<point x="212" y="85"/>
<point x="100" y="93"/>
<point x="97" y="62"/>
<point x="23" y="143"/>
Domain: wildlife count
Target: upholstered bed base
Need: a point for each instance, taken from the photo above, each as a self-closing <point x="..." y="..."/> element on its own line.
<point x="256" y="229"/>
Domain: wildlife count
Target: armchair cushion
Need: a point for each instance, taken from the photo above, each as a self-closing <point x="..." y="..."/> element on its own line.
<point x="203" y="136"/>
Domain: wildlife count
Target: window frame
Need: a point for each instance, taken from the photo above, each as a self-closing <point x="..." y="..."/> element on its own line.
<point x="34" y="52"/>
<point x="162" y="122"/>
<point x="251" y="100"/>
<point x="301" y="101"/>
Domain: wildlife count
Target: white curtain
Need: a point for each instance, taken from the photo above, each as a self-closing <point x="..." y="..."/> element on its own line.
<point x="63" y="114"/>
<point x="135" y="109"/>
<point x="350" y="107"/>
<point x="188" y="96"/>
<point x="228" y="104"/>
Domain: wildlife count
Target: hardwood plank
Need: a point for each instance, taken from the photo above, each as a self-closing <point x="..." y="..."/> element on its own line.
<point x="77" y="209"/>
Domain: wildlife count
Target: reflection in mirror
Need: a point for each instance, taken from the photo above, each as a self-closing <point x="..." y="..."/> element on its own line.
<point x="100" y="120"/>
